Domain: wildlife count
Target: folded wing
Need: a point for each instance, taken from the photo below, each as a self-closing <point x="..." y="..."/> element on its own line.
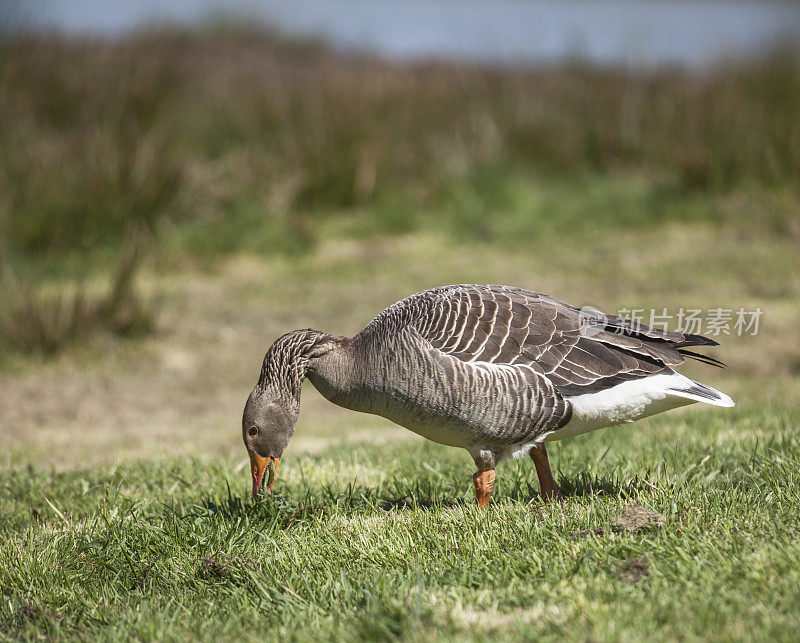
<point x="577" y="353"/>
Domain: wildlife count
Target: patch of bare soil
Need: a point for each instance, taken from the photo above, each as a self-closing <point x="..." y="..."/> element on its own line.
<point x="635" y="519"/>
<point x="33" y="612"/>
<point x="632" y="520"/>
<point x="214" y="568"/>
<point x="585" y="533"/>
<point x="634" y="569"/>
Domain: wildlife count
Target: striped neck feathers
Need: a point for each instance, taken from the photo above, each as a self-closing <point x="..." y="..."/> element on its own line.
<point x="286" y="361"/>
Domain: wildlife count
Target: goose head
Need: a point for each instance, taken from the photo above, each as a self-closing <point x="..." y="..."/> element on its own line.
<point x="268" y="424"/>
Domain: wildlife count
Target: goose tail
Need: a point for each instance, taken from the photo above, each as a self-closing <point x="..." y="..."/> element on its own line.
<point x="698" y="392"/>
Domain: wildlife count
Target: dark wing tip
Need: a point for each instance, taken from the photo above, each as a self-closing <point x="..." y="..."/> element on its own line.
<point x="696" y="340"/>
<point x="702" y="358"/>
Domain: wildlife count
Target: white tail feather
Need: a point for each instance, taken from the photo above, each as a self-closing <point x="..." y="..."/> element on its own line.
<point x="702" y="393"/>
<point x="636" y="399"/>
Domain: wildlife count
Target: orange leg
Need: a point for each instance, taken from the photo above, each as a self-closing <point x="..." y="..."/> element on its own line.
<point x="484" y="481"/>
<point x="550" y="490"/>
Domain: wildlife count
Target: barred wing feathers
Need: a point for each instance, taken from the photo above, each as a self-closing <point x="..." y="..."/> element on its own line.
<point x="501" y="325"/>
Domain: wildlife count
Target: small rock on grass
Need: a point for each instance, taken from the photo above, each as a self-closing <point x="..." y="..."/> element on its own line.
<point x="635" y="519"/>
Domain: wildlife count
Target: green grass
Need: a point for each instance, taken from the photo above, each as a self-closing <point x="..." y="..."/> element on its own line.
<point x="383" y="541"/>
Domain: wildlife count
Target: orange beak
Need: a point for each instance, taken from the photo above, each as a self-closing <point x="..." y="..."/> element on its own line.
<point x="258" y="466"/>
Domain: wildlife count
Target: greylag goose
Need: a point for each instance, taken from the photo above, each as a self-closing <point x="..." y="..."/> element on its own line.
<point x="496" y="370"/>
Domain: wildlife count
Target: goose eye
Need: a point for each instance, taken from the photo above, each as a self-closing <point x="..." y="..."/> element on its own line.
<point x="252" y="431"/>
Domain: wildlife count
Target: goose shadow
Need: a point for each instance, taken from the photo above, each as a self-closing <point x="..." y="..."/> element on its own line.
<point x="580" y="485"/>
<point x="285" y="509"/>
<point x="291" y="509"/>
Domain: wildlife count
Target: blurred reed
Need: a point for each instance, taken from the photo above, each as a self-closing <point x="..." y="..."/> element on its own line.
<point x="37" y="318"/>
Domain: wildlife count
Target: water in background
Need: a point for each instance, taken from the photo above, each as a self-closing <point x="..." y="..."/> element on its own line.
<point x="652" y="32"/>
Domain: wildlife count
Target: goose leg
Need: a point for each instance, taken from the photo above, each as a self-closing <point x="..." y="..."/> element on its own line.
<point x="484" y="481"/>
<point x="550" y="490"/>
